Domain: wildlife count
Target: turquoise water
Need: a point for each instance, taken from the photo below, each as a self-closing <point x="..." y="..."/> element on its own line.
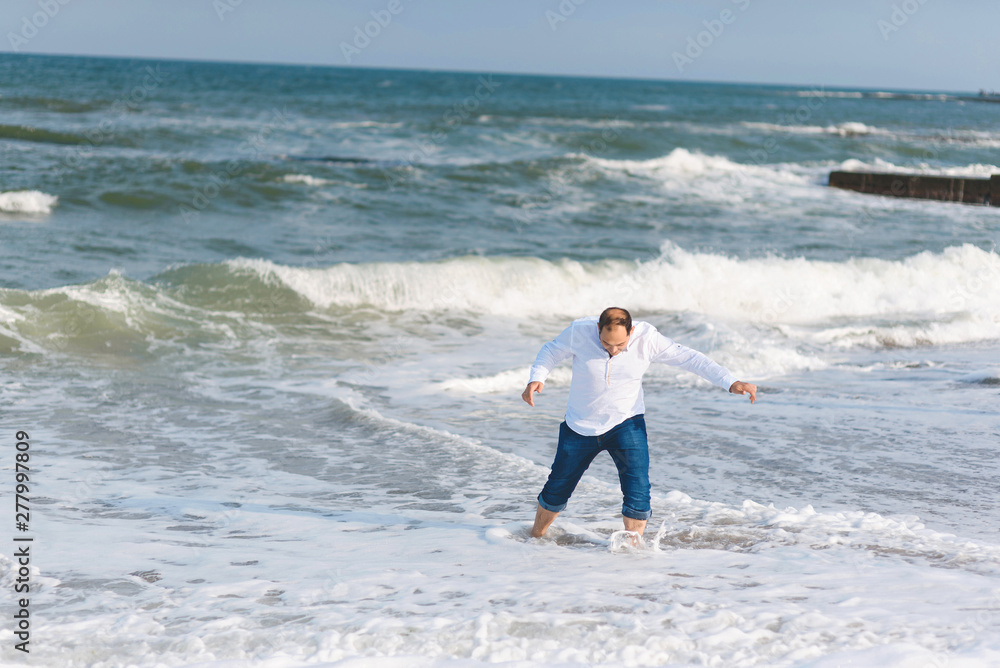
<point x="129" y="145"/>
<point x="268" y="326"/>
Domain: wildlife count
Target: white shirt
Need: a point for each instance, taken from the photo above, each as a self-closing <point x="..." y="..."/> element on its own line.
<point x="606" y="390"/>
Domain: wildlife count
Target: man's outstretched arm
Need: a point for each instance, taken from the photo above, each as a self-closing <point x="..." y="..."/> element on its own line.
<point x="674" y="354"/>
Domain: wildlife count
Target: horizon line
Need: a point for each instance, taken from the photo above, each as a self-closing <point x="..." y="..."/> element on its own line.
<point x="841" y="87"/>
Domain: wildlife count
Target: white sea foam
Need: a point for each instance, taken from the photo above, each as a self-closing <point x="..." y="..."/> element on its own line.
<point x="981" y="138"/>
<point x="505" y="381"/>
<point x="759" y="361"/>
<point x="385" y="540"/>
<point x="885" y="95"/>
<point x="845" y="129"/>
<point x="986" y="376"/>
<point x="785" y="310"/>
<point x="596" y="123"/>
<point x="682" y="162"/>
<point x="929" y="137"/>
<point x="683" y="174"/>
<point x="830" y="93"/>
<point x="853" y="129"/>
<point x="976" y="170"/>
<point x="743" y="585"/>
<point x="928" y="298"/>
<point x="913" y="96"/>
<point x="306" y="179"/>
<point x="900" y="535"/>
<point x="342" y="125"/>
<point x="27" y="201"/>
<point x="777" y="127"/>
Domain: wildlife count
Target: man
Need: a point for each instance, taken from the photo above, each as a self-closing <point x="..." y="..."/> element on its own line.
<point x="605" y="407"/>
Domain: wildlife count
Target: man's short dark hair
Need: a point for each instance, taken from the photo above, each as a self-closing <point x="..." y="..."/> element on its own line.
<point x="612" y="316"/>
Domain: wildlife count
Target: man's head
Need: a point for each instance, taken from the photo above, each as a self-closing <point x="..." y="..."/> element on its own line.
<point x="614" y="328"/>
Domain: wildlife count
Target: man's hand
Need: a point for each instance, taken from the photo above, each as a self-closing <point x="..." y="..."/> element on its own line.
<point x="739" y="387"/>
<point x="533" y="387"/>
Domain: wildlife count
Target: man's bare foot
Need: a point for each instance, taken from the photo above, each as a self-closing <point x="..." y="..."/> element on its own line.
<point x="543" y="520"/>
<point x="627" y="540"/>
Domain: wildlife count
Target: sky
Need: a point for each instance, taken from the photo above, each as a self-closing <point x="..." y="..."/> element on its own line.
<point x="928" y="45"/>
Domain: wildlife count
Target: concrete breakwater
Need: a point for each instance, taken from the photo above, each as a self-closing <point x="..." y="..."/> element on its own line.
<point x="949" y="189"/>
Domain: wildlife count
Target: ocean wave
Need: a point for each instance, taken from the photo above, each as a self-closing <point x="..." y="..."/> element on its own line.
<point x="56" y="104"/>
<point x="928" y="298"/>
<point x="929" y="136"/>
<point x="853" y="129"/>
<point x="139" y="199"/>
<point x="880" y="95"/>
<point x="829" y="93"/>
<point x="682" y="162"/>
<point x="41" y="135"/>
<point x="989" y="377"/>
<point x="760" y="361"/>
<point x="967" y="138"/>
<point x="504" y="381"/>
<point x="184" y="185"/>
<point x="27" y="201"/>
<point x="785" y="309"/>
<point x="117" y="315"/>
<point x="845" y="129"/>
<point x="305" y="179"/>
<point x="885" y="95"/>
<point x="716" y="178"/>
<point x="344" y="125"/>
<point x="715" y="525"/>
<point x="562" y="121"/>
<point x="977" y="170"/>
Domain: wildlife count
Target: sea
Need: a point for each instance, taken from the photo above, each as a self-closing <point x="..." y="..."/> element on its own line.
<point x="264" y="331"/>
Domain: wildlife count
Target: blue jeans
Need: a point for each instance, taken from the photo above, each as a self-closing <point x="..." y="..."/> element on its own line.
<point x="626" y="443"/>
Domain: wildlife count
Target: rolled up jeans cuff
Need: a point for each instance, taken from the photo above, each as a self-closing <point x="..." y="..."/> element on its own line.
<point x="549" y="507"/>
<point x="635" y="514"/>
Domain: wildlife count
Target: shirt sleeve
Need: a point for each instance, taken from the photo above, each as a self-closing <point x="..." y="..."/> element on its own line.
<point x="674" y="354"/>
<point x="553" y="352"/>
